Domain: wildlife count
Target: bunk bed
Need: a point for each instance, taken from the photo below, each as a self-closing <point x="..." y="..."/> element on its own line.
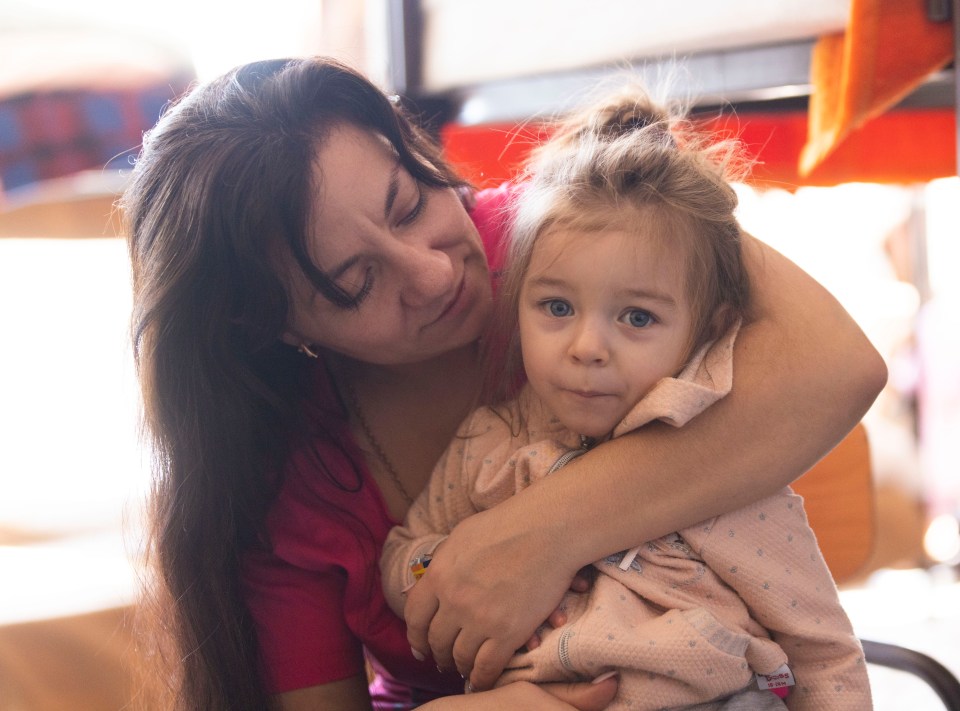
<point x="825" y="91"/>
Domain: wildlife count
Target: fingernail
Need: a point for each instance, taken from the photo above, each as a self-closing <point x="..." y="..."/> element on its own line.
<point x="468" y="687"/>
<point x="417" y="655"/>
<point x="604" y="677"/>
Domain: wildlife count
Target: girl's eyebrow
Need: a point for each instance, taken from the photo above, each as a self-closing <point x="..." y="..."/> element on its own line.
<point x="544" y="280"/>
<point x="652" y="295"/>
<point x="548" y="282"/>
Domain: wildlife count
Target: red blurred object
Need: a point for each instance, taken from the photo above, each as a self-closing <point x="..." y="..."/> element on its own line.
<point x="902" y="146"/>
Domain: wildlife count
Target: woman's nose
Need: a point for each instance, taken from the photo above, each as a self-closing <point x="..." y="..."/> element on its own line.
<point x="589" y="345"/>
<point x="428" y="275"/>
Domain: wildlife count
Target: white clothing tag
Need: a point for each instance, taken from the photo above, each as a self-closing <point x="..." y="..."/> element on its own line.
<point x="628" y="558"/>
<point x="780" y="679"/>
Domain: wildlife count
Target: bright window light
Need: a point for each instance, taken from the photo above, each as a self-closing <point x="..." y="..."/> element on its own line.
<point x="942" y="539"/>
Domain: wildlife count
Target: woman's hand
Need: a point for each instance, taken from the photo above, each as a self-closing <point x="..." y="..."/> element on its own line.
<point x="490" y="586"/>
<point x="543" y="697"/>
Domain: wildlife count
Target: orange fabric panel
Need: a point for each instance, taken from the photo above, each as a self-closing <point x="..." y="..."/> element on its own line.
<point x="887" y="50"/>
<point x="839" y="500"/>
<point x="81" y="663"/>
<point x="903" y="146"/>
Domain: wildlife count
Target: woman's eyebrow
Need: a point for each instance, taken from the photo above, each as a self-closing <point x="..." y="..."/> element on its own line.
<point x="393" y="187"/>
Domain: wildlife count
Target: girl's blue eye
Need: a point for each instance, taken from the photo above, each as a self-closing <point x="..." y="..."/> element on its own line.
<point x="639" y="318"/>
<point x="558" y="308"/>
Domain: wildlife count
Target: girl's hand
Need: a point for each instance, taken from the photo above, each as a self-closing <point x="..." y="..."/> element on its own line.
<point x="543" y="697"/>
<point x="490" y="585"/>
<point x="580" y="584"/>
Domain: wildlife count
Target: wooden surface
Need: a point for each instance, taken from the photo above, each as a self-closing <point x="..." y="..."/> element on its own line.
<point x="80" y="663"/>
<point x="82" y="205"/>
<point x="93" y="216"/>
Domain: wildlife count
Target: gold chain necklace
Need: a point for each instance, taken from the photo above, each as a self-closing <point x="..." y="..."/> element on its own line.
<point x="374" y="443"/>
<point x="365" y="426"/>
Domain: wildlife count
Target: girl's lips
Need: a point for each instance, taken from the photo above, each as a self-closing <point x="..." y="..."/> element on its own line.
<point x="588" y="393"/>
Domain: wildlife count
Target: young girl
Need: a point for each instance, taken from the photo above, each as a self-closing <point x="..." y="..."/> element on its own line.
<point x="623" y="295"/>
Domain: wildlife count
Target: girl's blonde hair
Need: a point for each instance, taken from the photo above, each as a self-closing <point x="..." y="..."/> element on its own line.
<point x="630" y="164"/>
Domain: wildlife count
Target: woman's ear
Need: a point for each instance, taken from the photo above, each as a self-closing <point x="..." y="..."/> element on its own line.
<point x="300" y="343"/>
<point x="468" y="196"/>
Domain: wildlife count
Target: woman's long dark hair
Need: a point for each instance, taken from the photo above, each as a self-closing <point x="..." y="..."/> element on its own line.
<point x="217" y="214"/>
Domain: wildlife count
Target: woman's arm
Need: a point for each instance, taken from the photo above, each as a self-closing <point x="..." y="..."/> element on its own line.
<point x="804" y="375"/>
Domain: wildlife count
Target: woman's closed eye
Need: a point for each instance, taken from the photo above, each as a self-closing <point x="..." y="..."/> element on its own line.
<point x="417" y="209"/>
<point x="358" y="288"/>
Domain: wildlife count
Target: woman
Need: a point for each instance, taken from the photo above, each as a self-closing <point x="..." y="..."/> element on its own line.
<point x="308" y="293"/>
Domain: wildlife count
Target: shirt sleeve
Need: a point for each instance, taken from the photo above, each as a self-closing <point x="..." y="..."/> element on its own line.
<point x="301" y="629"/>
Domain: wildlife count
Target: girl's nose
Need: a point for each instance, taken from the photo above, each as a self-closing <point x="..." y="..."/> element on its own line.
<point x="589" y="345"/>
<point x="428" y="275"/>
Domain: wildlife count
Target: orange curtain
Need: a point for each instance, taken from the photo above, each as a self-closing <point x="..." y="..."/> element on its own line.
<point x="888" y="48"/>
